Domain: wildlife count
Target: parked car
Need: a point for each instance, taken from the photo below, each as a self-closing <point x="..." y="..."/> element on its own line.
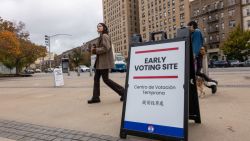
<point x="233" y="63"/>
<point x="28" y="71"/>
<point x="247" y="63"/>
<point x="84" y="68"/>
<point x="211" y="63"/>
<point x="49" y="70"/>
<point x="242" y="64"/>
<point x="38" y="71"/>
<point x="221" y="63"/>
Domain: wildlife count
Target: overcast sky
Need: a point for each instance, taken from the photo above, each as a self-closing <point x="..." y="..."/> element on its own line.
<point x="48" y="17"/>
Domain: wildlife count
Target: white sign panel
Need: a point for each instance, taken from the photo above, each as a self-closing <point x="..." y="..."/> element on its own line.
<point x="58" y="77"/>
<point x="155" y="93"/>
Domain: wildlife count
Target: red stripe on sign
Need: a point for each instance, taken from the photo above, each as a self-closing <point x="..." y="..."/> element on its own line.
<point x="155" y="77"/>
<point x="156" y="50"/>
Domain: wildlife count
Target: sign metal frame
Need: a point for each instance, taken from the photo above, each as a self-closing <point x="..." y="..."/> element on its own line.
<point x="124" y="132"/>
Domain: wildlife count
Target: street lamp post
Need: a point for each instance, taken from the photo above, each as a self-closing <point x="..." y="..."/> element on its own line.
<point x="47" y="42"/>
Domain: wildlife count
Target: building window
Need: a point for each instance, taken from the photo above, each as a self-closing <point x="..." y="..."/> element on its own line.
<point x="231" y="12"/>
<point x="210" y="38"/>
<point x="217" y="26"/>
<point x="231" y="2"/>
<point x="174" y="27"/>
<point x="222" y="26"/>
<point x="182" y="16"/>
<point x="245" y="1"/>
<point x="217" y="37"/>
<point x="182" y="24"/>
<point x="182" y="7"/>
<point x="165" y="14"/>
<point x="143" y="15"/>
<point x="221" y="4"/>
<point x="204" y="19"/>
<point x="173" y="10"/>
<point x="221" y="15"/>
<point x="223" y="35"/>
<point x="232" y="23"/>
<point x="247" y="12"/>
<point x="173" y="19"/>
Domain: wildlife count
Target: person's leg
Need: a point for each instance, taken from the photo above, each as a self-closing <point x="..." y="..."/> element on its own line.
<point x="206" y="78"/>
<point x="116" y="87"/>
<point x="209" y="82"/>
<point x="96" y="88"/>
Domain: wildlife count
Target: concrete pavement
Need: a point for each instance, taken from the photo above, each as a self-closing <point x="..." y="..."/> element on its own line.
<point x="4" y="139"/>
<point x="225" y="115"/>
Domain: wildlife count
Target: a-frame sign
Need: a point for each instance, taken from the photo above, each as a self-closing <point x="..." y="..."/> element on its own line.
<point x="161" y="92"/>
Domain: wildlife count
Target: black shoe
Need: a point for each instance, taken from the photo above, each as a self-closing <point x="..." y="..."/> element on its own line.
<point x="214" y="89"/>
<point x="215" y="81"/>
<point x="91" y="101"/>
<point x="122" y="97"/>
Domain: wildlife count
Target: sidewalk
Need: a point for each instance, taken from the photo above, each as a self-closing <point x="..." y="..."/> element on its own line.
<point x="4" y="139"/>
<point x="225" y="115"/>
<point x="30" y="132"/>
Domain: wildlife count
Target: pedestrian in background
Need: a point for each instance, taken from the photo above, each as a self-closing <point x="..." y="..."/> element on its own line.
<point x="199" y="52"/>
<point x="104" y="62"/>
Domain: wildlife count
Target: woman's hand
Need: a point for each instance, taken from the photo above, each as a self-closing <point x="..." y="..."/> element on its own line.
<point x="202" y="51"/>
<point x="93" y="50"/>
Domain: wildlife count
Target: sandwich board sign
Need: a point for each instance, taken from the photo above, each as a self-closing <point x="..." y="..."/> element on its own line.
<point x="58" y="77"/>
<point x="156" y="99"/>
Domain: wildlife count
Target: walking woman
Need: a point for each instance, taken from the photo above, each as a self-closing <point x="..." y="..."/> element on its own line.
<point x="104" y="62"/>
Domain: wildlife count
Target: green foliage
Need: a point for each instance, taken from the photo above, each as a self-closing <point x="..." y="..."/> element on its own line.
<point x="76" y="57"/>
<point x="9" y="62"/>
<point x="237" y="44"/>
<point x="86" y="59"/>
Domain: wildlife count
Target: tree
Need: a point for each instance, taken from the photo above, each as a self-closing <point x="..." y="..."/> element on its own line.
<point x="9" y="44"/>
<point x="29" y="54"/>
<point x="18" y="29"/>
<point x="86" y="58"/>
<point x="16" y="47"/>
<point x="236" y="46"/>
<point x="9" y="63"/>
<point x="77" y="58"/>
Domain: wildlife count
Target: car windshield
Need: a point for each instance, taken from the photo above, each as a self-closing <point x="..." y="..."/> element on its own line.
<point x="119" y="58"/>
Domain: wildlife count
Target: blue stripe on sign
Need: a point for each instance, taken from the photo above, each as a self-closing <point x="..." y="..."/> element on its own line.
<point x="155" y="129"/>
